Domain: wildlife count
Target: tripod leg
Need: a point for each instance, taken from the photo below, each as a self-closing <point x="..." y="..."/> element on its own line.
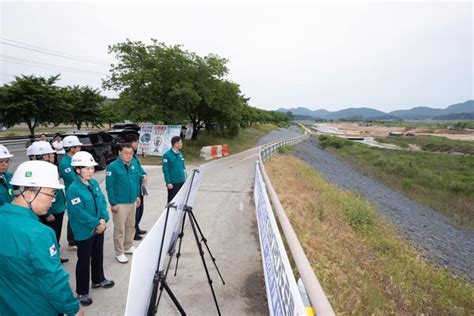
<point x="173" y="298"/>
<point x="180" y="236"/>
<point x="207" y="246"/>
<point x="201" y="253"/>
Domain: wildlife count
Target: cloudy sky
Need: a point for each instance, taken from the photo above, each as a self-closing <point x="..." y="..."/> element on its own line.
<point x="319" y="55"/>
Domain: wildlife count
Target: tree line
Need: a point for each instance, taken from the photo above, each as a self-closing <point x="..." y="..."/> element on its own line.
<point x="156" y="83"/>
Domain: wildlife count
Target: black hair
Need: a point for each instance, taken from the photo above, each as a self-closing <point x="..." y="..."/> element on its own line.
<point x="130" y="138"/>
<point x="126" y="145"/>
<point x="175" y="139"/>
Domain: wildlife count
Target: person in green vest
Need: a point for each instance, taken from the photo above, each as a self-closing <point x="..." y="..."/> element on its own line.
<point x="122" y="181"/>
<point x="133" y="140"/>
<point x="42" y="150"/>
<point x="88" y="215"/>
<point x="174" y="170"/>
<point x="32" y="280"/>
<point x="71" y="145"/>
<point x="6" y="189"/>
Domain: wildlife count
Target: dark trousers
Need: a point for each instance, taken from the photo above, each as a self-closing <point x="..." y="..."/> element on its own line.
<point x="70" y="236"/>
<point x="90" y="253"/>
<point x="172" y="192"/>
<point x="139" y="214"/>
<point x="57" y="225"/>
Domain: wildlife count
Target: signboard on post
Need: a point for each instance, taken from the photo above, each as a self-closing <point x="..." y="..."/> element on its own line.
<point x="145" y="257"/>
<point x="282" y="291"/>
<point x="155" y="140"/>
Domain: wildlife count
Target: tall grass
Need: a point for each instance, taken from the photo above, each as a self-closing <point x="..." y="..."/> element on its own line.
<point x="362" y="263"/>
<point x="432" y="143"/>
<point x="442" y="182"/>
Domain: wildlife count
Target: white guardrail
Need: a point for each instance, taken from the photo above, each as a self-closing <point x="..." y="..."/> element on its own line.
<point x="316" y="295"/>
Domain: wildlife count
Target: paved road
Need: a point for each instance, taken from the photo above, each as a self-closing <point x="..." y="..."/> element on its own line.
<point x="280" y="134"/>
<point x="226" y="214"/>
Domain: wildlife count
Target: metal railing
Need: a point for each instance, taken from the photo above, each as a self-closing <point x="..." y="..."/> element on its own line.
<point x="269" y="149"/>
<point x="311" y="283"/>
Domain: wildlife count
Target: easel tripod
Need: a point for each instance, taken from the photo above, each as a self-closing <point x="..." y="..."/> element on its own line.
<point x="159" y="280"/>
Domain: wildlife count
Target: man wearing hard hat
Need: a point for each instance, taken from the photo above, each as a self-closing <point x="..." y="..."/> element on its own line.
<point x="6" y="189"/>
<point x="42" y="150"/>
<point x="88" y="215"/>
<point x="33" y="281"/>
<point x="71" y="145"/>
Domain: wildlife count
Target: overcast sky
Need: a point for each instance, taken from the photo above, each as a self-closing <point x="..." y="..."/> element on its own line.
<point x="383" y="55"/>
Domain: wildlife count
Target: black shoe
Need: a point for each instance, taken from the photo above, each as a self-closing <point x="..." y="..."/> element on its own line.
<point x="138" y="237"/>
<point x="106" y="284"/>
<point x="85" y="300"/>
<point x="141" y="232"/>
<point x="64" y="260"/>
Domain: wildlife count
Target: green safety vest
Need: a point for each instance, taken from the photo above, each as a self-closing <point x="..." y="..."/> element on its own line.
<point x="86" y="206"/>
<point x="59" y="205"/>
<point x="32" y="280"/>
<point x="122" y="182"/>
<point x="6" y="189"/>
<point x="66" y="171"/>
<point x="173" y="167"/>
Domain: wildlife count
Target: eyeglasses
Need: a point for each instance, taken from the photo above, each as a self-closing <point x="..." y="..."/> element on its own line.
<point x="52" y="196"/>
<point x="5" y="161"/>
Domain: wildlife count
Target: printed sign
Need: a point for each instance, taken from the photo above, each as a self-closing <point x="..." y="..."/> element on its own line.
<point x="155" y="140"/>
<point x="282" y="291"/>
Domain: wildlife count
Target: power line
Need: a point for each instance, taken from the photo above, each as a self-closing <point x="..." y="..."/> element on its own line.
<point x="52" y="68"/>
<point x="46" y="51"/>
<point x="47" y="65"/>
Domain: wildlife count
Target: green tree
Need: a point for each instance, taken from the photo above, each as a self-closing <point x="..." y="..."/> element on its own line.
<point x="111" y="112"/>
<point x="31" y="100"/>
<point x="83" y="105"/>
<point x="160" y="83"/>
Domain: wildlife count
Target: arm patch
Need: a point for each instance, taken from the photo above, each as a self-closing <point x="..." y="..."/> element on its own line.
<point x="53" y="250"/>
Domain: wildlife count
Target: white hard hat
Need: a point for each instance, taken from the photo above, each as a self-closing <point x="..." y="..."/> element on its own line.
<point x="83" y="159"/>
<point x="4" y="152"/>
<point x="28" y="150"/>
<point x="36" y="173"/>
<point x="71" y="141"/>
<point x="40" y="148"/>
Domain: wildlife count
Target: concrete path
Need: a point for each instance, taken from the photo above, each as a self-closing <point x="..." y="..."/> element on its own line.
<point x="225" y="211"/>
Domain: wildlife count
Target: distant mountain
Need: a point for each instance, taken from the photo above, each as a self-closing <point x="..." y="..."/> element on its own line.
<point x="364" y="113"/>
<point x="417" y="113"/>
<point x="466" y="107"/>
<point x="355" y="112"/>
<point x="455" y="116"/>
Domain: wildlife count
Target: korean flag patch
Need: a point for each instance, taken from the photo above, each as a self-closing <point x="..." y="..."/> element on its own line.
<point x="67" y="170"/>
<point x="108" y="173"/>
<point x="53" y="250"/>
<point x="76" y="201"/>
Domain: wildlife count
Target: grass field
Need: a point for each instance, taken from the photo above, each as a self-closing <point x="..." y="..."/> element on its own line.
<point x="22" y="130"/>
<point x="363" y="265"/>
<point x="432" y="143"/>
<point x="246" y="139"/>
<point x="442" y="182"/>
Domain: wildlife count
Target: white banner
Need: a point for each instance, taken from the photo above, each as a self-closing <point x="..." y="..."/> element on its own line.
<point x="155" y="140"/>
<point x="145" y="257"/>
<point x="282" y="291"/>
